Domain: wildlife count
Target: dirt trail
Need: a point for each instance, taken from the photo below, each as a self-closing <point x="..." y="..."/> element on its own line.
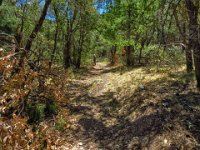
<point x="135" y="109"/>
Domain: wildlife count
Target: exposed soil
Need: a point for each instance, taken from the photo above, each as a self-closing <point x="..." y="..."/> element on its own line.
<point x="115" y="109"/>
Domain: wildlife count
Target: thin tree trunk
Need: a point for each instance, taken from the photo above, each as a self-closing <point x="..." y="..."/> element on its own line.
<point x="128" y="48"/>
<point x="142" y="46"/>
<point x="68" y="41"/>
<point x="128" y="55"/>
<point x="80" y="48"/>
<point x="37" y="26"/>
<point x="35" y="31"/>
<point x="187" y="46"/>
<point x="67" y="52"/>
<point x="192" y="10"/>
<point x="113" y="54"/>
<point x="188" y="51"/>
<point x="55" y="46"/>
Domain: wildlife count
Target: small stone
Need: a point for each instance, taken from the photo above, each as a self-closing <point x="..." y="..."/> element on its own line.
<point x="80" y="144"/>
<point x="141" y="87"/>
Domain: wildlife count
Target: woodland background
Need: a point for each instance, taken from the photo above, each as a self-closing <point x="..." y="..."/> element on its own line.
<point x="145" y="84"/>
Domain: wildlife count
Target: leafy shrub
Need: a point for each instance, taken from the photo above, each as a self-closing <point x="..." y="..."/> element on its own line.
<point x="36" y="112"/>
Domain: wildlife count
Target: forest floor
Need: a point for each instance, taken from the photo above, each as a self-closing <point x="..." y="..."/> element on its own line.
<point x="117" y="109"/>
<point x="112" y="108"/>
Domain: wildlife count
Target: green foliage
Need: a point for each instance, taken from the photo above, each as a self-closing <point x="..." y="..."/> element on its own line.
<point x="60" y="124"/>
<point x="188" y="77"/>
<point x="8" y="21"/>
<point x="37" y="112"/>
<point x="51" y="108"/>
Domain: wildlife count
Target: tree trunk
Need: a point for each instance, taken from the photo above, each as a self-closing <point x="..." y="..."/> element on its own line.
<point x="142" y="46"/>
<point x="78" y="62"/>
<point x="188" y="51"/>
<point x="35" y="31"/>
<point x="54" y="47"/>
<point x="67" y="52"/>
<point x="113" y="53"/>
<point x="80" y="48"/>
<point x="37" y="26"/>
<point x="187" y="46"/>
<point x="128" y="55"/>
<point x="128" y="48"/>
<point x="68" y="42"/>
<point x="1" y="2"/>
<point x="192" y="10"/>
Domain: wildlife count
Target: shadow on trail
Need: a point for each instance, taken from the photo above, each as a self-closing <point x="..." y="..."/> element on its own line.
<point x="162" y="116"/>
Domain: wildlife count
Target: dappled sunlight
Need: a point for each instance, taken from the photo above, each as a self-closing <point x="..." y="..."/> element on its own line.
<point x="121" y="84"/>
<point x="134" y="109"/>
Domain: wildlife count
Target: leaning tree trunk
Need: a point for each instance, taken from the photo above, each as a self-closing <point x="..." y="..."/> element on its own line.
<point x="37" y="26"/>
<point x="35" y="31"/>
<point x="193" y="35"/>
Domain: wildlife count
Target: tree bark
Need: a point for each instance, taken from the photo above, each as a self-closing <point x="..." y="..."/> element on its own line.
<point x="188" y="51"/>
<point x="187" y="46"/>
<point x="55" y="38"/>
<point x="128" y="56"/>
<point x="141" y="48"/>
<point x="128" y="48"/>
<point x="113" y="54"/>
<point x="1" y="2"/>
<point x="192" y="10"/>
<point x="67" y="52"/>
<point x="68" y="41"/>
<point x="34" y="32"/>
<point x="37" y="26"/>
<point x="54" y="47"/>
